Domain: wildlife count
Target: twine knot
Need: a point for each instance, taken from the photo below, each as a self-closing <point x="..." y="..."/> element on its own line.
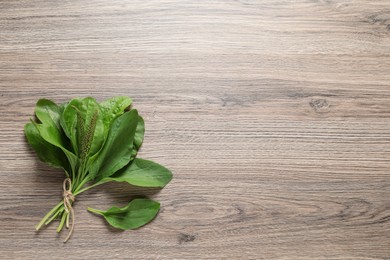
<point x="69" y="198"/>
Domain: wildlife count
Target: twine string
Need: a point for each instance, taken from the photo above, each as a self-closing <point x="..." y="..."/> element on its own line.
<point x="68" y="200"/>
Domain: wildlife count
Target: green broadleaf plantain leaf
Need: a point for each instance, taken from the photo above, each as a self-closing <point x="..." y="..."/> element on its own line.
<point x="48" y="112"/>
<point x="94" y="127"/>
<point x="50" y="130"/>
<point x="136" y="214"/>
<point x="139" y="133"/>
<point x="138" y="137"/>
<point x="49" y="115"/>
<point x="143" y="173"/>
<point x="112" y="108"/>
<point x="83" y="123"/>
<point x="68" y="122"/>
<point x="46" y="152"/>
<point x="116" y="151"/>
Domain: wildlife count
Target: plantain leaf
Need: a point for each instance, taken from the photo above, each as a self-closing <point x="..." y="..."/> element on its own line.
<point x="136" y="214"/>
<point x="139" y="133"/>
<point x="112" y="108"/>
<point x="138" y="137"/>
<point x="46" y="152"/>
<point x="68" y="122"/>
<point x="116" y="151"/>
<point x="50" y="129"/>
<point x="83" y="124"/>
<point x="49" y="113"/>
<point x="143" y="173"/>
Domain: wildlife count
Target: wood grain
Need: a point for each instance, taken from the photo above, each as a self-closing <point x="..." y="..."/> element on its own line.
<point x="273" y="115"/>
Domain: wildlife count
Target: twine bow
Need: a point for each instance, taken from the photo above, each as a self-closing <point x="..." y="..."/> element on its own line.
<point x="68" y="200"/>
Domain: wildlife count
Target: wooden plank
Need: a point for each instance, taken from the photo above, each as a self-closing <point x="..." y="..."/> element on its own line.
<point x="273" y="115"/>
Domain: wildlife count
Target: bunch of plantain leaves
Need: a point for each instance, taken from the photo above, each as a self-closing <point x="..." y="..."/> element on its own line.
<point x="95" y="143"/>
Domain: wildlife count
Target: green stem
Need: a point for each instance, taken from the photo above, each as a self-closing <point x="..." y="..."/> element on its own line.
<point x="89" y="187"/>
<point x="55" y="215"/>
<point x="61" y="225"/>
<point x="76" y="180"/>
<point x="83" y="182"/>
<point x="81" y="173"/>
<point x="85" y="189"/>
<point x="95" y="211"/>
<point x="83" y="167"/>
<point x="48" y="215"/>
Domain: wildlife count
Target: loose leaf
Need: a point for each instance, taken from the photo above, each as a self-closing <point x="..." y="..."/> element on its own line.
<point x="143" y="173"/>
<point x="136" y="214"/>
<point x="116" y="151"/>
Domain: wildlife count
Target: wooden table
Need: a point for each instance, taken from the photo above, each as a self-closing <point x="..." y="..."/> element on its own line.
<point x="274" y="117"/>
